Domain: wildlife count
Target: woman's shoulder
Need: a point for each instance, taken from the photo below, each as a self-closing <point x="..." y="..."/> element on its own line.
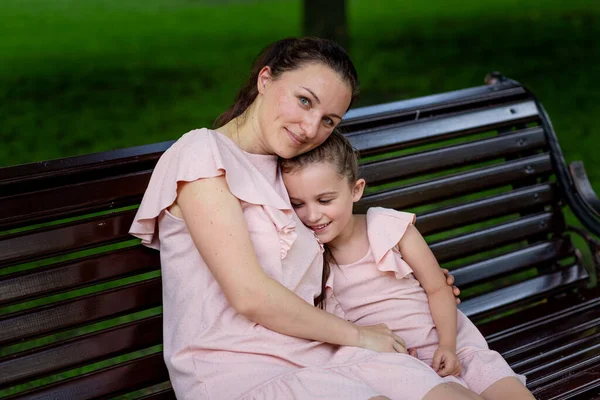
<point x="199" y="154"/>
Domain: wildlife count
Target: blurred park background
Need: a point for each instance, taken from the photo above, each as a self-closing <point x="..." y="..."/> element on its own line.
<point x="86" y="76"/>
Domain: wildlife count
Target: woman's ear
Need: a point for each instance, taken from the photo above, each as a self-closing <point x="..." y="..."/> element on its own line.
<point x="358" y="190"/>
<point x="264" y="77"/>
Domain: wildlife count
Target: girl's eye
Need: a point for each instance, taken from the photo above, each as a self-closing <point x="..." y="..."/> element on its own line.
<point x="324" y="201"/>
<point x="304" y="101"/>
<point x="328" y="121"/>
<point x="296" y="205"/>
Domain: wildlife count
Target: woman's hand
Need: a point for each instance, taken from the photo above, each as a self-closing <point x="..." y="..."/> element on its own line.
<point x="380" y="338"/>
<point x="450" y="282"/>
<point x="445" y="362"/>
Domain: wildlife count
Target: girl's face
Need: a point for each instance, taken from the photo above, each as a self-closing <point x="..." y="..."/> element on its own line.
<point x="298" y="110"/>
<point x="323" y="199"/>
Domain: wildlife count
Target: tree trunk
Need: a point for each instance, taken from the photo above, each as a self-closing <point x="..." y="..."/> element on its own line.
<point x="326" y="19"/>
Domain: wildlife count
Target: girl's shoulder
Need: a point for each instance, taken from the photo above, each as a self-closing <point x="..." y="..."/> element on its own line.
<point x="385" y="228"/>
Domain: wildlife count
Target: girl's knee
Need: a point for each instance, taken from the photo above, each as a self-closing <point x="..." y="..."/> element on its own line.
<point x="451" y="391"/>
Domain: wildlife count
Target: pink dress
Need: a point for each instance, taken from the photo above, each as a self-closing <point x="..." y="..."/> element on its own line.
<point x="210" y="350"/>
<point x="380" y="288"/>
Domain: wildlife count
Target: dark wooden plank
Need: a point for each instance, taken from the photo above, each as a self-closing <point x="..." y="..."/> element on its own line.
<point x="543" y="253"/>
<point x="505" y="333"/>
<point x="166" y="394"/>
<point x="577" y="385"/>
<point x="533" y="288"/>
<point x="379" y="172"/>
<point x="550" y="334"/>
<point x="563" y="367"/>
<point x="114" y="162"/>
<point x="437" y="104"/>
<point x="69" y="275"/>
<point x="459" y="184"/>
<point x="495" y="236"/>
<point x="81" y="350"/>
<point x="558" y="349"/>
<point x="65" y="238"/>
<point x="72" y="200"/>
<point x="125" y="377"/>
<point x="379" y="140"/>
<point x="87" y="309"/>
<point x="489" y="207"/>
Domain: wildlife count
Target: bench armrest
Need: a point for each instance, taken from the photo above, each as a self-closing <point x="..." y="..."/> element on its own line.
<point x="584" y="187"/>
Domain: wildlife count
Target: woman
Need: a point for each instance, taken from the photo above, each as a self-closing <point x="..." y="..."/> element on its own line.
<point x="241" y="272"/>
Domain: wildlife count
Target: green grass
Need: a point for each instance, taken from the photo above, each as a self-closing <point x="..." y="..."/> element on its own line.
<point x="79" y="77"/>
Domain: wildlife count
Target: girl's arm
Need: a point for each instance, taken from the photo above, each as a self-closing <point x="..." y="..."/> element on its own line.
<point x="217" y="225"/>
<point x="442" y="304"/>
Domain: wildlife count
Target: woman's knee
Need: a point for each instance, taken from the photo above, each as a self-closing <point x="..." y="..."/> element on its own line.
<point x="379" y="398"/>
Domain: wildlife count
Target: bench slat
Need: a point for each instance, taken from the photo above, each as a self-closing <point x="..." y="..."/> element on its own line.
<point x="74" y="274"/>
<point x="379" y="140"/>
<point x="485" y="239"/>
<point x="543" y="253"/>
<point x="437" y="104"/>
<point x="509" y="331"/>
<point x="379" y="172"/>
<point x="521" y="346"/>
<point x="532" y="288"/>
<point x="78" y="311"/>
<point x="583" y="384"/>
<point x="459" y="184"/>
<point x="73" y="200"/>
<point x="65" y="238"/>
<point x="489" y="207"/>
<point x="166" y="394"/>
<point x="559" y="349"/>
<point x="81" y="350"/>
<point x="563" y="365"/>
<point x="135" y="374"/>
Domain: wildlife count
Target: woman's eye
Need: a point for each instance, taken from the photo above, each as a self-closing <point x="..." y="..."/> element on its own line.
<point x="328" y="121"/>
<point x="304" y="101"/>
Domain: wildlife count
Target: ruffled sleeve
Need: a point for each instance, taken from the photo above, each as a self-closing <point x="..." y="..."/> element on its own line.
<point x="201" y="154"/>
<point x="385" y="228"/>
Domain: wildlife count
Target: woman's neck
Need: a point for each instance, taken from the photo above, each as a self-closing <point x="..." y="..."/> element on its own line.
<point x="244" y="131"/>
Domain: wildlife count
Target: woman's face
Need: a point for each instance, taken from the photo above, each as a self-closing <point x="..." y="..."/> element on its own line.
<point x="298" y="110"/>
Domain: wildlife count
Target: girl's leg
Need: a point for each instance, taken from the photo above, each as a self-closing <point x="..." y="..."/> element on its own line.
<point x="451" y="391"/>
<point x="507" y="388"/>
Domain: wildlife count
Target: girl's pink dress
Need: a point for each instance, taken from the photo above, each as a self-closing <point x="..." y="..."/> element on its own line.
<point x="211" y="351"/>
<point x="380" y="288"/>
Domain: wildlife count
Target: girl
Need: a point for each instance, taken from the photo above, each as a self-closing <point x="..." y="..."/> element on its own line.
<point x="383" y="271"/>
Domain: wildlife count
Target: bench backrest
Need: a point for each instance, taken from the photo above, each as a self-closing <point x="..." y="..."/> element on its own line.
<point x="80" y="300"/>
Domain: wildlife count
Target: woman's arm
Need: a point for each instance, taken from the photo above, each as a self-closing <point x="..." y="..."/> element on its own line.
<point x="217" y="225"/>
<point x="442" y="304"/>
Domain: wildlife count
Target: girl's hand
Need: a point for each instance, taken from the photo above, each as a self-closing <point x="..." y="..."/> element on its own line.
<point x="380" y="338"/>
<point x="445" y="362"/>
<point x="450" y="282"/>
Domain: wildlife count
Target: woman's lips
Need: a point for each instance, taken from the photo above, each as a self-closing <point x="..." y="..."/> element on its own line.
<point x="294" y="138"/>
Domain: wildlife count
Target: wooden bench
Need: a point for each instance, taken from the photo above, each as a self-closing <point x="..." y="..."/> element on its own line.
<point x="80" y="300"/>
